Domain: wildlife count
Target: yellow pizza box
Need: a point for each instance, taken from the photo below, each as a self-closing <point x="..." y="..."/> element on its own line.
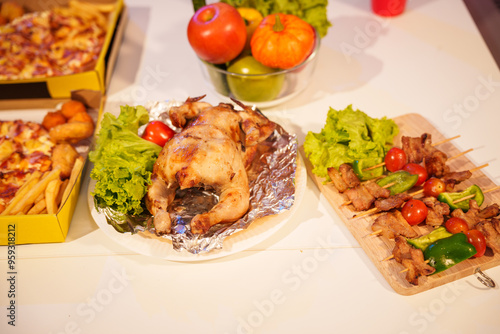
<point x="48" y="228"/>
<point x="61" y="86"/>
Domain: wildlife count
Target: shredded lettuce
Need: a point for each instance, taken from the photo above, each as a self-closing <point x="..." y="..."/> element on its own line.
<point x="348" y="135"/>
<point x="311" y="11"/>
<point x="123" y="161"/>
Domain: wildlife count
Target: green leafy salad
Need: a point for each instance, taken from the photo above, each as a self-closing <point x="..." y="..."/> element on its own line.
<point x="311" y="11"/>
<point x="348" y="135"/>
<point x="123" y="161"/>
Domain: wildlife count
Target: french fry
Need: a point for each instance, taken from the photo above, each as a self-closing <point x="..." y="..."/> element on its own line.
<point x="40" y="197"/>
<point x="77" y="167"/>
<point x="62" y="189"/>
<point x="51" y="193"/>
<point x="37" y="208"/>
<point x="30" y="197"/>
<point x="21" y="193"/>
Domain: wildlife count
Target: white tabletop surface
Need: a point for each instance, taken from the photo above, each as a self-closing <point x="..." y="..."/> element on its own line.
<point x="311" y="276"/>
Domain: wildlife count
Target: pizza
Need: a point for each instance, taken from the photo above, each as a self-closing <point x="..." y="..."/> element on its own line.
<point x="25" y="147"/>
<point x="55" y="42"/>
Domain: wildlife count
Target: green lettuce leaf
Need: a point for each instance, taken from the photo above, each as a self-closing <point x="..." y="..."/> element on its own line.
<point x="123" y="161"/>
<point x="348" y="135"/>
<point x="311" y="11"/>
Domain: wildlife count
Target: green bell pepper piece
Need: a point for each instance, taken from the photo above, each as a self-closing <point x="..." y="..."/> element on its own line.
<point x="445" y="253"/>
<point x="403" y="181"/>
<point x="424" y="241"/>
<point x="364" y="175"/>
<point x="449" y="198"/>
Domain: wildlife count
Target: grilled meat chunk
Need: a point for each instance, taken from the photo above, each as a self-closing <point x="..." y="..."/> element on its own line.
<point x="392" y="202"/>
<point x="436" y="211"/>
<point x="360" y="197"/>
<point x="454" y="178"/>
<point x="376" y="190"/>
<point x="491" y="232"/>
<point x="416" y="147"/>
<point x="489" y="212"/>
<point x="348" y="175"/>
<point x="435" y="164"/>
<point x="416" y="266"/>
<point x="471" y="217"/>
<point x="392" y="224"/>
<point x="337" y="179"/>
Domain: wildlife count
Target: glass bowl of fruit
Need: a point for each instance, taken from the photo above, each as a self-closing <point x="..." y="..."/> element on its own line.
<point x="268" y="88"/>
<point x="272" y="63"/>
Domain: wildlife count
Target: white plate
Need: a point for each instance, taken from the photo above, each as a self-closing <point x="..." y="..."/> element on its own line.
<point x="258" y="231"/>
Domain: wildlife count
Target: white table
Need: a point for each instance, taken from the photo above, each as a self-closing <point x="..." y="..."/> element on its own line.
<point x="311" y="276"/>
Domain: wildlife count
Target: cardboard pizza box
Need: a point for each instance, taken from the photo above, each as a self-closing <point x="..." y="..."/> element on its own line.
<point x="48" y="228"/>
<point x="61" y="86"/>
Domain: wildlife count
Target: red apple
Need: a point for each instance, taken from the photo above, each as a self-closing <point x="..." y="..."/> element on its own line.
<point x="217" y="33"/>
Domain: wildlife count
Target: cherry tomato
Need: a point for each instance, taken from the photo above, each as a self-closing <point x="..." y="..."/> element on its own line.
<point x="456" y="225"/>
<point x="433" y="187"/>
<point x="476" y="239"/>
<point x="414" y="211"/>
<point x="395" y="159"/>
<point x="417" y="169"/>
<point x="158" y="133"/>
<point x="217" y="33"/>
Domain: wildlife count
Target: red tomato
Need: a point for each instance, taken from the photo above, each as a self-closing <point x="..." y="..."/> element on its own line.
<point x="417" y="169"/>
<point x="433" y="187"/>
<point x="456" y="225"/>
<point x="414" y="211"/>
<point x="476" y="239"/>
<point x="395" y="159"/>
<point x="158" y="133"/>
<point x="217" y="33"/>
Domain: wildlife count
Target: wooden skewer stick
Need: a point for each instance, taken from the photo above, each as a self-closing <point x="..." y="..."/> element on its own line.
<point x="445" y="140"/>
<point x="405" y="270"/>
<point x="389" y="257"/>
<point x="435" y="144"/>
<point x="386" y="186"/>
<point x="375" y="233"/>
<point x="366" y="213"/>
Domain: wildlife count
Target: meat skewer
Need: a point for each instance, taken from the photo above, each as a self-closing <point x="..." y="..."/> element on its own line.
<point x="425" y="138"/>
<point x="375" y="209"/>
<point x="454" y="181"/>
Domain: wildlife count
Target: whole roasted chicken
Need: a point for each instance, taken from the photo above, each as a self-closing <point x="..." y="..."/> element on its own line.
<point x="211" y="152"/>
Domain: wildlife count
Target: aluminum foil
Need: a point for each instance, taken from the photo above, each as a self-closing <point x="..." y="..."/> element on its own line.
<point x="272" y="190"/>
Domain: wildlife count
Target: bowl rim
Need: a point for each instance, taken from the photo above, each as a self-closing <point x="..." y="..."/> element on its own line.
<point x="310" y="58"/>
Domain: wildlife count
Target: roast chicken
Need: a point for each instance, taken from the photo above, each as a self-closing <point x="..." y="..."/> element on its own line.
<point x="211" y="152"/>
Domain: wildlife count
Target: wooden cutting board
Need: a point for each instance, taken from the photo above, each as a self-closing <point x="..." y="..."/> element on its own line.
<point x="378" y="248"/>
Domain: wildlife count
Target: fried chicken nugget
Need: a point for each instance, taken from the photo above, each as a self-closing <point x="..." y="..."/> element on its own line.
<point x="83" y="117"/>
<point x="53" y="118"/>
<point x="63" y="157"/>
<point x="71" y="108"/>
<point x="71" y="132"/>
